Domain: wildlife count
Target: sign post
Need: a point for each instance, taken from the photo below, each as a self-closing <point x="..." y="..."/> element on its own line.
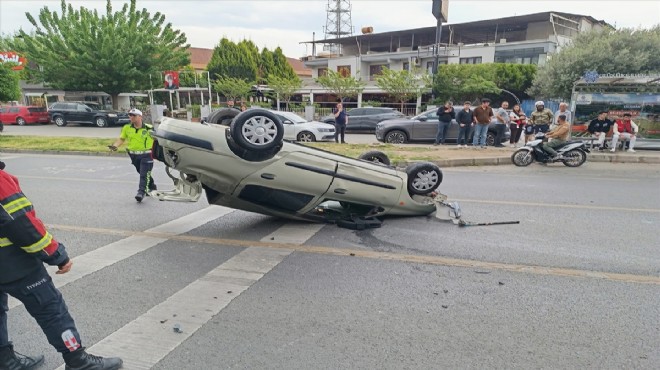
<point x="439" y="10"/>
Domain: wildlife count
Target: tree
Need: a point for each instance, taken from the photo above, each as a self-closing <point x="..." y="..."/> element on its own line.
<point x="284" y="87"/>
<point x="629" y="51"/>
<point x="9" y="89"/>
<point x="189" y="77"/>
<point x="116" y="52"/>
<point x="266" y="66"/>
<point x="403" y="85"/>
<point x="459" y="82"/>
<point x="281" y="66"/>
<point x="232" y="87"/>
<point x="233" y="60"/>
<point x="342" y="87"/>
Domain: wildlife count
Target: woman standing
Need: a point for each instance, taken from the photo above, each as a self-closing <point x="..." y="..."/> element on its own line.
<point x="517" y="124"/>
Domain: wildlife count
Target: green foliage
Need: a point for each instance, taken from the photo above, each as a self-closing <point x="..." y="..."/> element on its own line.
<point x="116" y="52"/>
<point x="285" y="87"/>
<point x="281" y="66"/>
<point x="630" y="51"/>
<point x="189" y="77"/>
<point x="232" y="88"/>
<point x="372" y="103"/>
<point x="342" y="87"/>
<point x="9" y="89"/>
<point x="403" y="85"/>
<point x="459" y="82"/>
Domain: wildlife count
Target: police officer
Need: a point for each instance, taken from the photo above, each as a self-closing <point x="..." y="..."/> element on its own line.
<point x="25" y="245"/>
<point x="139" y="143"/>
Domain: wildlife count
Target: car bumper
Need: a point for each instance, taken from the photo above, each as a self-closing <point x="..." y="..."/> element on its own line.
<point x="329" y="137"/>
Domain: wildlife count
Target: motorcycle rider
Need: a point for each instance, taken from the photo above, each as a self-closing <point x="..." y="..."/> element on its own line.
<point x="25" y="245"/>
<point x="559" y="135"/>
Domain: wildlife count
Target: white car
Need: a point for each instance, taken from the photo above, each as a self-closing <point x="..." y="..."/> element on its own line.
<point x="296" y="128"/>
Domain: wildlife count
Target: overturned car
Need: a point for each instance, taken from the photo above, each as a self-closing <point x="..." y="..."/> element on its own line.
<point x="248" y="166"/>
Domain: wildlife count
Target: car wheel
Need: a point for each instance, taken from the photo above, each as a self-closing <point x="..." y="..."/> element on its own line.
<point x="257" y="130"/>
<point x="223" y="116"/>
<point x="375" y="156"/>
<point x="20" y="121"/>
<point x="101" y="122"/>
<point x="423" y="178"/>
<point x="59" y="121"/>
<point x="522" y="157"/>
<point x="306" y="136"/>
<point x="490" y="139"/>
<point x="396" y="137"/>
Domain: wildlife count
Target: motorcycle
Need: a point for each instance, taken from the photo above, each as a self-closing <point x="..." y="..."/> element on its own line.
<point x="573" y="153"/>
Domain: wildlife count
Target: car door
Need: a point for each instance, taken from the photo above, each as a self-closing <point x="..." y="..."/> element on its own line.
<point x="12" y="114"/>
<point x="69" y="111"/>
<point x="289" y="128"/>
<point x="291" y="184"/>
<point x="364" y="185"/>
<point x="426" y="129"/>
<point x="355" y="119"/>
<point x="372" y="117"/>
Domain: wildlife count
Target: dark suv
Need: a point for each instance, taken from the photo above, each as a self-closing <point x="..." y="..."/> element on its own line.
<point x="85" y="113"/>
<point x="366" y="119"/>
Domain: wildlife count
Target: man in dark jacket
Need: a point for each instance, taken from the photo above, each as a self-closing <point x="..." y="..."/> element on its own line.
<point x="465" y="119"/>
<point x="600" y="127"/>
<point x="445" y="115"/>
<point x="25" y="245"/>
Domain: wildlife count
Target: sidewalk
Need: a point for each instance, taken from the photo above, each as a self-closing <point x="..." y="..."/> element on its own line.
<point x="453" y="156"/>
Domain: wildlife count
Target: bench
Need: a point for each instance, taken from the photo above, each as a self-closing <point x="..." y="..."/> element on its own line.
<point x="581" y="133"/>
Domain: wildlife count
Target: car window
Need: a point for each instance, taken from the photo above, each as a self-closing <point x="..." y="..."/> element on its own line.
<point x="370" y="111"/>
<point x="356" y="112"/>
<point x="14" y="110"/>
<point x="432" y="115"/>
<point x="289" y="116"/>
<point x="36" y="109"/>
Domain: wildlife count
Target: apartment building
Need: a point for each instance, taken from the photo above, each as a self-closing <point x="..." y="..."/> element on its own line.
<point x="526" y="39"/>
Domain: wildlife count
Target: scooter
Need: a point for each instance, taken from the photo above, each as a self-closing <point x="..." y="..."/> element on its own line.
<point x="573" y="153"/>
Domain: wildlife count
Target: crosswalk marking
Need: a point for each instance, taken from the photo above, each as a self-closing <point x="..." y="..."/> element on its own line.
<point x="112" y="253"/>
<point x="193" y="306"/>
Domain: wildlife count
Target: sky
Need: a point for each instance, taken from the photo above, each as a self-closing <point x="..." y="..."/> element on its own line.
<point x="287" y="23"/>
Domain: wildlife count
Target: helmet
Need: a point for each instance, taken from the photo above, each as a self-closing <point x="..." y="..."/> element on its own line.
<point x="540" y="102"/>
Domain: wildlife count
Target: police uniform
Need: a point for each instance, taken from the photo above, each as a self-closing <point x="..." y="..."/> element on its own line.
<point x="139" y="143"/>
<point x="25" y="245"/>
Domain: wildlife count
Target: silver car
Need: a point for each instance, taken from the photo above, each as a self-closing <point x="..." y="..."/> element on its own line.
<point x="247" y="165"/>
<point x="424" y="128"/>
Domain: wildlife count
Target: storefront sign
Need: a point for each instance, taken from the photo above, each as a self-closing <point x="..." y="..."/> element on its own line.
<point x="12" y="57"/>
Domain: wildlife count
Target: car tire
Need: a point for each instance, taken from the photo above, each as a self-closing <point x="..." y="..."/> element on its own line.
<point x="20" y="121"/>
<point x="490" y="139"/>
<point x="375" y="156"/>
<point x="223" y="116"/>
<point x="101" y="122"/>
<point x="396" y="137"/>
<point x="423" y="178"/>
<point x="305" y="137"/>
<point x="59" y="121"/>
<point x="257" y="130"/>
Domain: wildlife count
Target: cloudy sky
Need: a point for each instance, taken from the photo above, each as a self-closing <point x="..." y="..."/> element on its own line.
<point x="272" y="23"/>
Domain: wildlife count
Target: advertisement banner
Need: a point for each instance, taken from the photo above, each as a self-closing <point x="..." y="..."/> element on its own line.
<point x="12" y="57"/>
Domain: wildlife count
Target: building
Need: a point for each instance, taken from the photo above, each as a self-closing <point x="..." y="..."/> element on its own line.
<point x="526" y="39"/>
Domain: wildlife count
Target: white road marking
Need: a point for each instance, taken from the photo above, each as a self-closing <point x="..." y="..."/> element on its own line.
<point x="112" y="253"/>
<point x="197" y="303"/>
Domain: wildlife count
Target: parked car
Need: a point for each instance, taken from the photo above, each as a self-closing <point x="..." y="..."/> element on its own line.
<point x="366" y="118"/>
<point x="296" y="128"/>
<point x="85" y="113"/>
<point x="247" y="165"/>
<point x="424" y="128"/>
<point x="23" y="115"/>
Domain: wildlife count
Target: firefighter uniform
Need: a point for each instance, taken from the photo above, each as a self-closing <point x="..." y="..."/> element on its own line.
<point x="25" y="245"/>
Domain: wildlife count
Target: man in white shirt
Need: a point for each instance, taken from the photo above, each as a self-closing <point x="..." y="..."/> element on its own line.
<point x="563" y="111"/>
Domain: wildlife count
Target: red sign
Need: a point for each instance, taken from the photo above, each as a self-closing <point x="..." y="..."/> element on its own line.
<point x="12" y="57"/>
<point x="171" y="80"/>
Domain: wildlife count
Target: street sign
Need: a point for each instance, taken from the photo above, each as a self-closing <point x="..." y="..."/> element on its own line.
<point x="440" y="9"/>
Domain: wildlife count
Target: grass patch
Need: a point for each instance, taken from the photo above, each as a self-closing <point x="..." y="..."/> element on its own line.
<point x="73" y="144"/>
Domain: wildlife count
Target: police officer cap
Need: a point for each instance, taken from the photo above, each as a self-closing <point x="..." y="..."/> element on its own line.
<point x="540" y="102"/>
<point x="135" y="112"/>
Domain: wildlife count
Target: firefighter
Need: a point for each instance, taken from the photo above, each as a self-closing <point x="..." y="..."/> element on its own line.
<point x="25" y="245"/>
<point x="138" y="144"/>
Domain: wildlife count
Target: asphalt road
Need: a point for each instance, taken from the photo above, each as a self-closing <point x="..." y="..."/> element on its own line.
<point x="575" y="285"/>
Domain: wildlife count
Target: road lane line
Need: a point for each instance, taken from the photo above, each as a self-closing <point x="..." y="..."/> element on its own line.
<point x="193" y="306"/>
<point x="430" y="260"/>
<point x="112" y="253"/>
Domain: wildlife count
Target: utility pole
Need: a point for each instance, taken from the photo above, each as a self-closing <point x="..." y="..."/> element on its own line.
<point x="439" y="10"/>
